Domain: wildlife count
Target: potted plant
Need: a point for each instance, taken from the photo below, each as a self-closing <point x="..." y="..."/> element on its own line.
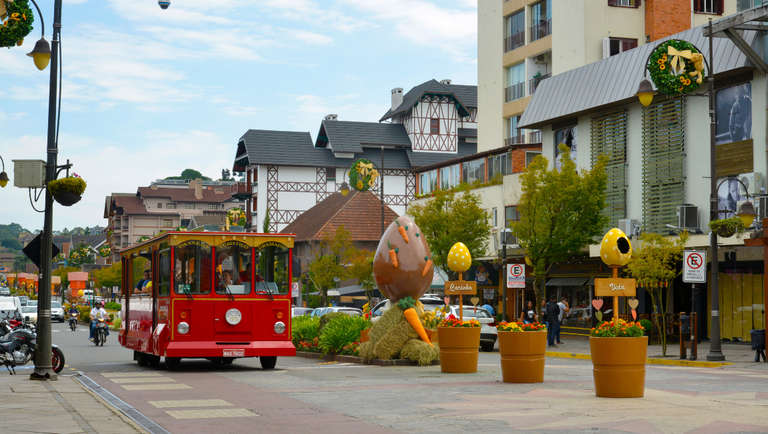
<point x="459" y="343"/>
<point x="67" y="191"/>
<point x="618" y="359"/>
<point x="727" y="227"/>
<point x="522" y="348"/>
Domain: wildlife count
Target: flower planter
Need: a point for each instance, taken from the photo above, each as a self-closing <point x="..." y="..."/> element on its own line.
<point x="725" y="232"/>
<point x="458" y="349"/>
<point x="619" y="366"/>
<point x="522" y="356"/>
<point x="66" y="198"/>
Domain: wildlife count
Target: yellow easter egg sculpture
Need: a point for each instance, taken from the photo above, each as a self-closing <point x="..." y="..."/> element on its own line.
<point x="615" y="249"/>
<point x="459" y="258"/>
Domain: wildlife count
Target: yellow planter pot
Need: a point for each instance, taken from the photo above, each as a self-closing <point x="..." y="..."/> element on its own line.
<point x="458" y="349"/>
<point x="619" y="366"/>
<point x="522" y="356"/>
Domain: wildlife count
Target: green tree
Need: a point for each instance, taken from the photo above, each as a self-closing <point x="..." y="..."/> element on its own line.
<point x="20" y="263"/>
<point x="336" y="250"/>
<point x="265" y="225"/>
<point x="654" y="266"/>
<point x="110" y="276"/>
<point x="449" y="218"/>
<point x="63" y="273"/>
<point x="561" y="212"/>
<point x="361" y="269"/>
<point x="10" y="243"/>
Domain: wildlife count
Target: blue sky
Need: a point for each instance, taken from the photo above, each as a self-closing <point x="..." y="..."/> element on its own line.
<point x="147" y="93"/>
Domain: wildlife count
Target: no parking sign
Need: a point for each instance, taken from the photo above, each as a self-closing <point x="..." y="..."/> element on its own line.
<point x="515" y="275"/>
<point x="695" y="266"/>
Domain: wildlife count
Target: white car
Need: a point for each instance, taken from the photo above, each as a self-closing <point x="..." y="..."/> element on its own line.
<point x="29" y="313"/>
<point x="57" y="312"/>
<point x="32" y="303"/>
<point x="488" y="332"/>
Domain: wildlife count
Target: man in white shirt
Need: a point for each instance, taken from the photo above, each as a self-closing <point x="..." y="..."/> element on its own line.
<point x="98" y="312"/>
<point x="563" y="310"/>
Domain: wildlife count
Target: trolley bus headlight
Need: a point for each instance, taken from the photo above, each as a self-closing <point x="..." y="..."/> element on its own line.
<point x="182" y="328"/>
<point x="279" y="327"/>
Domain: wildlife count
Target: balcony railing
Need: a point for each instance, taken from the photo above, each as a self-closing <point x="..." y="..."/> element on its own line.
<point x="514" y="41"/>
<point x="534" y="83"/>
<point x="514" y="140"/>
<point x="240" y="190"/>
<point x="536" y="136"/>
<point x="516" y="91"/>
<point x="544" y="28"/>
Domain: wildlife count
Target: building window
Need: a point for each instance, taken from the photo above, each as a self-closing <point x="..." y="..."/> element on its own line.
<point x="330" y="173"/>
<point x="189" y="206"/>
<point x="473" y="171"/>
<point x="450" y="177"/>
<point x="428" y="182"/>
<point x="614" y="46"/>
<point x="529" y="156"/>
<point x="514" y="29"/>
<point x="742" y="5"/>
<point x="167" y="223"/>
<point x="625" y="3"/>
<point x="185" y="222"/>
<point x="495" y="216"/>
<point x="170" y="205"/>
<point x="514" y="136"/>
<point x="708" y="6"/>
<point x="515" y="83"/>
<point x="541" y="20"/>
<point x="434" y="126"/>
<point x="160" y="205"/>
<point x="499" y="165"/>
<point x="213" y="206"/>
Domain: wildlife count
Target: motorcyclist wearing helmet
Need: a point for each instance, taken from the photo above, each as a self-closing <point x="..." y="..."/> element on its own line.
<point x="97" y="312"/>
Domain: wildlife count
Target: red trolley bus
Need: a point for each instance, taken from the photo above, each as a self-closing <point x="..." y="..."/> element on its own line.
<point x="213" y="295"/>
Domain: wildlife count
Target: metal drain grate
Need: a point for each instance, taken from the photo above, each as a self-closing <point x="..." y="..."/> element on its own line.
<point x="145" y="422"/>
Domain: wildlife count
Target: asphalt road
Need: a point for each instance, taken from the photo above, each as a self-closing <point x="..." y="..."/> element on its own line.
<point x="307" y="395"/>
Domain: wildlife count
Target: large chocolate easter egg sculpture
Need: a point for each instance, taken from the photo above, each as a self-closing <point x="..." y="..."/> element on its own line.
<point x="402" y="266"/>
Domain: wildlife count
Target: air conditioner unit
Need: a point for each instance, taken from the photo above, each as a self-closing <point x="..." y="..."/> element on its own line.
<point x="542" y="58"/>
<point x="630" y="227"/>
<point x="688" y="217"/>
<point x="754" y="183"/>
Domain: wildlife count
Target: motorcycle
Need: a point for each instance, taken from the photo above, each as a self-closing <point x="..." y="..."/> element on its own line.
<point x="100" y="334"/>
<point x="19" y="347"/>
<point x="73" y="321"/>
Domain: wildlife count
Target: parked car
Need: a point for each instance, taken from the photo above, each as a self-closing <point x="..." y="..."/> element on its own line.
<point x="5" y="291"/>
<point x="23" y="299"/>
<point x="32" y="303"/>
<point x="57" y="312"/>
<point x="320" y="311"/>
<point x="29" y="314"/>
<point x="299" y="311"/>
<point x="429" y="302"/>
<point x="488" y="332"/>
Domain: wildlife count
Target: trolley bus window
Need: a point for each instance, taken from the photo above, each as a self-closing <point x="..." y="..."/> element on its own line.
<point x="233" y="269"/>
<point x="272" y="270"/>
<point x="192" y="268"/>
<point x="165" y="274"/>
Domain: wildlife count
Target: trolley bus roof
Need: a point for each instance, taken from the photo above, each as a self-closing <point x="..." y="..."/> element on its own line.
<point x="214" y="239"/>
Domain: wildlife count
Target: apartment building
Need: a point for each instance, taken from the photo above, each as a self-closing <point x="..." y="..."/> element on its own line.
<point x="523" y="42"/>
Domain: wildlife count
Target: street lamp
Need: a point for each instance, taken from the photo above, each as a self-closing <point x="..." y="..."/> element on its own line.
<point x="645" y="94"/>
<point x="41" y="54"/>
<point x="3" y="176"/>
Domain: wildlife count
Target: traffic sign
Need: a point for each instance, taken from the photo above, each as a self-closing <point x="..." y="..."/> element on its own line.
<point x="515" y="275"/>
<point x="695" y="266"/>
<point x="295" y="289"/>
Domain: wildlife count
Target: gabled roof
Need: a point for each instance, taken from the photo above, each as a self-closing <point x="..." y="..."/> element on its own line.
<point x="466" y="96"/>
<point x="349" y="137"/>
<point x="614" y="80"/>
<point x="134" y="205"/>
<point x="359" y="213"/>
<point x="419" y="159"/>
<point x="186" y="194"/>
<point x="281" y="148"/>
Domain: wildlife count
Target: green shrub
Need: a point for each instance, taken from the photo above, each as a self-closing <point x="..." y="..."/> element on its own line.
<point x="304" y="328"/>
<point x="328" y="317"/>
<point x="85" y="314"/>
<point x="116" y="323"/>
<point x="113" y="306"/>
<point x="647" y="326"/>
<point x="341" y="331"/>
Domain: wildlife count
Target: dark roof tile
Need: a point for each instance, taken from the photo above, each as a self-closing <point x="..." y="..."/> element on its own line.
<point x="187" y="194"/>
<point x="466" y="95"/>
<point x="350" y="137"/>
<point x="284" y="148"/>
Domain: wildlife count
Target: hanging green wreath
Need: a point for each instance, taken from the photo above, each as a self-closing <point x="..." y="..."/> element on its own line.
<point x="362" y="175"/>
<point x="17" y="19"/>
<point x="676" y="67"/>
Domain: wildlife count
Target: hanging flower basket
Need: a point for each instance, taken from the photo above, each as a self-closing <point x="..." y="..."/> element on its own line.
<point x="67" y="191"/>
<point x="16" y="20"/>
<point x="727" y="227"/>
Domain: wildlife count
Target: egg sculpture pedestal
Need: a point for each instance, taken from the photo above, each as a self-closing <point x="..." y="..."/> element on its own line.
<point x="459" y="345"/>
<point x="618" y="363"/>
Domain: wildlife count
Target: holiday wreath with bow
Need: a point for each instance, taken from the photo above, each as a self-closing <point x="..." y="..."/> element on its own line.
<point x="676" y="67"/>
<point x="16" y="22"/>
<point x="362" y="175"/>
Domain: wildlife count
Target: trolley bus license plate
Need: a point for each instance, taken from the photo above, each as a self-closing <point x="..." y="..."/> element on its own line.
<point x="234" y="353"/>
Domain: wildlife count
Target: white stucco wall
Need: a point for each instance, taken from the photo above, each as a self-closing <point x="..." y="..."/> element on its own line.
<point x="490" y="74"/>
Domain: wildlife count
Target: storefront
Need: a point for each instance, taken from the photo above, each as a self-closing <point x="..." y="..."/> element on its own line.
<point x="575" y="280"/>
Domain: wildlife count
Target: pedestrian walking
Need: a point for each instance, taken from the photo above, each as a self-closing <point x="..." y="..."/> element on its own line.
<point x="553" y="310"/>
<point x="564" y="308"/>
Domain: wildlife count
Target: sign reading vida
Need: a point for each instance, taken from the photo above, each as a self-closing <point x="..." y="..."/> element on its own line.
<point x="615" y="287"/>
<point x="460" y="287"/>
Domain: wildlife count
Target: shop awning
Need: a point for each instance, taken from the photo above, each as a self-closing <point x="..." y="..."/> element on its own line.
<point x="567" y="281"/>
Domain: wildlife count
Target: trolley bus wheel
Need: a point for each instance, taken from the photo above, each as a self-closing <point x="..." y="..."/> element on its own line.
<point x="268" y="362"/>
<point x="154" y="361"/>
<point x="172" y="363"/>
<point x="227" y="360"/>
<point x="141" y="359"/>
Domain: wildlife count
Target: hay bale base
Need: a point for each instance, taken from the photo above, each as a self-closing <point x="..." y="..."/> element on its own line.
<point x="392" y="337"/>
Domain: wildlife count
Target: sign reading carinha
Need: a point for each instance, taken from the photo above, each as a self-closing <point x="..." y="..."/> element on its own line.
<point x="461" y="287"/>
<point x="615" y="287"/>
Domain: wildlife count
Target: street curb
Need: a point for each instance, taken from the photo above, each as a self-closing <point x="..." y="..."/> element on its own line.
<point x="353" y="359"/>
<point x="649" y="360"/>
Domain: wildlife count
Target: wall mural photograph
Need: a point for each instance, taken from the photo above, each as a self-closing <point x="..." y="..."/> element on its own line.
<point x="728" y="196"/>
<point x="733" y="111"/>
<point x="566" y="136"/>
